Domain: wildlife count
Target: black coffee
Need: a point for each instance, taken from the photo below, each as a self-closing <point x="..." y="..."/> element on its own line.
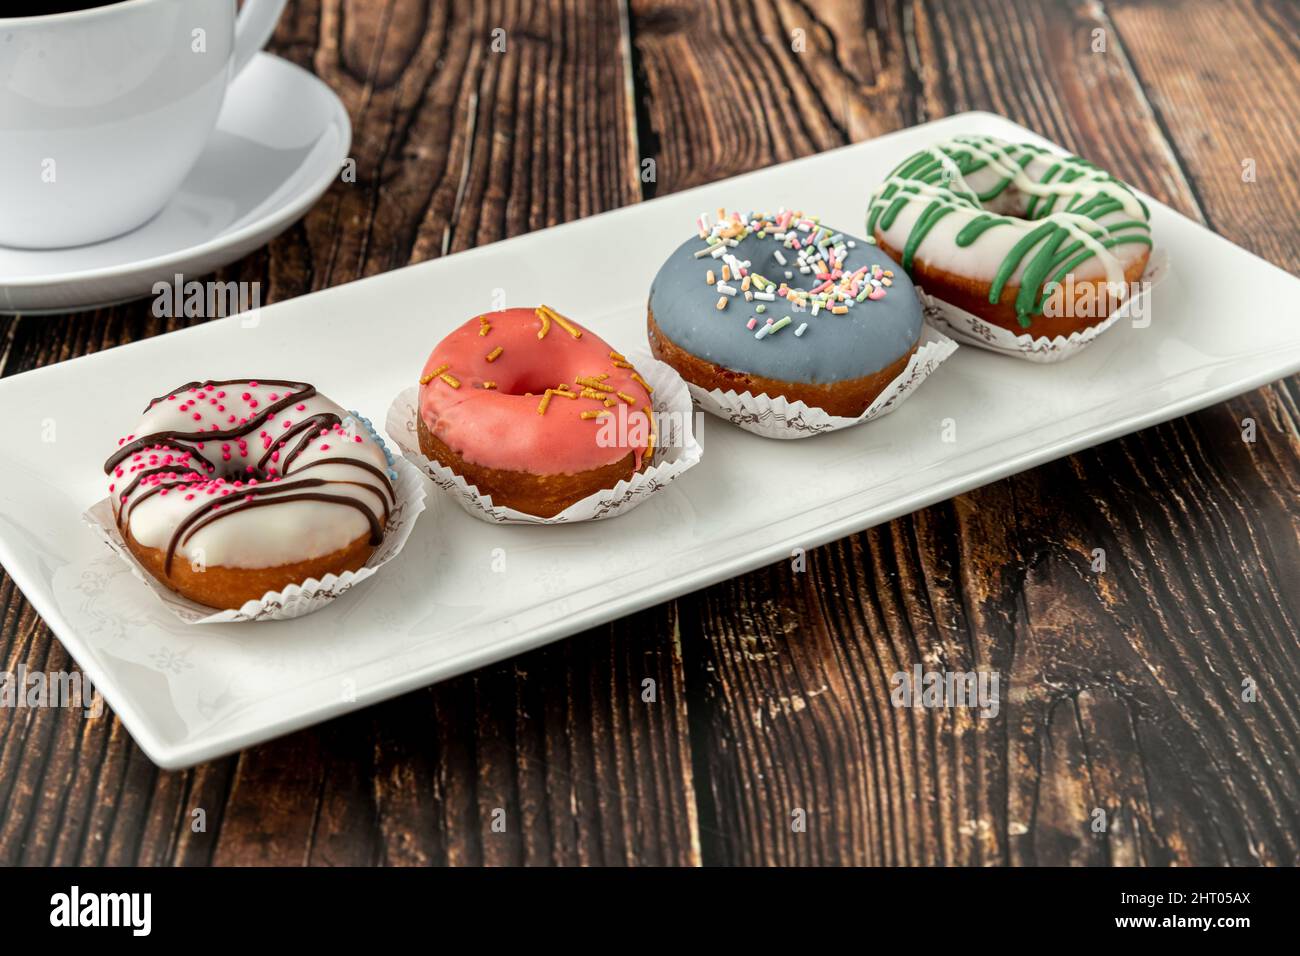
<point x="41" y="8"/>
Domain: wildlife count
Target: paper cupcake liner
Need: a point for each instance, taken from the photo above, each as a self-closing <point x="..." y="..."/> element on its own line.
<point x="676" y="450"/>
<point x="972" y="330"/>
<point x="296" y="599"/>
<point x="777" y="417"/>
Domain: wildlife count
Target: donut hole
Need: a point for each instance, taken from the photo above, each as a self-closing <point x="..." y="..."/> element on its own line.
<point x="531" y="382"/>
<point x="1012" y="203"/>
<point x="536" y="378"/>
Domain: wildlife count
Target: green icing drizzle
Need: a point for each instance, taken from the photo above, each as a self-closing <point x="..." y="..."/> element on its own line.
<point x="926" y="176"/>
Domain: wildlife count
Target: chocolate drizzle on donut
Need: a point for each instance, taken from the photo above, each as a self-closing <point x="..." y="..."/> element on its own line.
<point x="170" y="438"/>
<point x="256" y="499"/>
<point x="259" y="483"/>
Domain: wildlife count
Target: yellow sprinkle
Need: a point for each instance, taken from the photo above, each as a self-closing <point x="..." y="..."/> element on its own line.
<point x="546" y="323"/>
<point x="650" y="445"/>
<point x="592" y="393"/>
<point x="722" y="302"/>
<point x="593" y="414"/>
<point x="626" y="397"/>
<point x="624" y="365"/>
<point x="744" y="284"/>
<point x="617" y="357"/>
<point x="489" y="384"/>
<point x="546" y="400"/>
<point x="839" y="310"/>
<point x="484" y="329"/>
<point x="564" y="323"/>
<point x="450" y="380"/>
<point x="434" y="374"/>
<point x="594" y="383"/>
<point x="564" y="393"/>
<point x="708" y="277"/>
<point x="563" y="387"/>
<point x="601" y="377"/>
<point x="726" y="273"/>
<point x="492" y="356"/>
<point x="609" y="402"/>
<point x="636" y="377"/>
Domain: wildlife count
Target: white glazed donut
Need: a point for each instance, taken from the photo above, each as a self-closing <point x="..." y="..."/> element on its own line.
<point x="227" y="490"/>
<point x="1013" y="233"/>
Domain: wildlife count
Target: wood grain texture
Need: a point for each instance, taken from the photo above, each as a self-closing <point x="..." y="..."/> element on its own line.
<point x="1121" y="689"/>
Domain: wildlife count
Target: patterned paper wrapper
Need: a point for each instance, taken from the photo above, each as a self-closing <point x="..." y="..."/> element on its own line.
<point x="676" y="450"/>
<point x="776" y="417"/>
<point x="297" y="599"/>
<point x="972" y="330"/>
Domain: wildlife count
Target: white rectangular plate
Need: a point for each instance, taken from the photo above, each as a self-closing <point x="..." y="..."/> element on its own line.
<point x="439" y="609"/>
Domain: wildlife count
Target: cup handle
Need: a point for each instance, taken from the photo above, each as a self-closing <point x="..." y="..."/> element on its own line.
<point x="253" y="28"/>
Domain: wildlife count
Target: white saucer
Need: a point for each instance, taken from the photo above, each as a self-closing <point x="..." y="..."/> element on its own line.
<point x="280" y="141"/>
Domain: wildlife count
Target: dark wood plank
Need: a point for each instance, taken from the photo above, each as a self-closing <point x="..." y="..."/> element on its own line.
<point x="1122" y="689"/>
<point x="455" y="145"/>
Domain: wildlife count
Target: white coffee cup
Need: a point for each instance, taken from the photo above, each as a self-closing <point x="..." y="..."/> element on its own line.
<point x="104" y="110"/>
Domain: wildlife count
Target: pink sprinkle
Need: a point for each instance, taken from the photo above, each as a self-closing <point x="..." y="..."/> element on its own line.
<point x="749" y="325"/>
<point x="246" y="396"/>
<point x="301" y="407"/>
<point x="357" y="439"/>
<point x="324" y="447"/>
<point x="197" y="416"/>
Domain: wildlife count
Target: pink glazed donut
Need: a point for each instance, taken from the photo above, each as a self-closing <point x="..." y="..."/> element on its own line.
<point x="534" y="410"/>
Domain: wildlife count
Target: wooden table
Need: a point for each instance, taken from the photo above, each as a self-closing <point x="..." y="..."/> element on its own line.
<point x="1125" y="687"/>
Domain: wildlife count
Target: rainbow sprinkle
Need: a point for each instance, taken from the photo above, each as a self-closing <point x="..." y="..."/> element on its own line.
<point x="805" y="245"/>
